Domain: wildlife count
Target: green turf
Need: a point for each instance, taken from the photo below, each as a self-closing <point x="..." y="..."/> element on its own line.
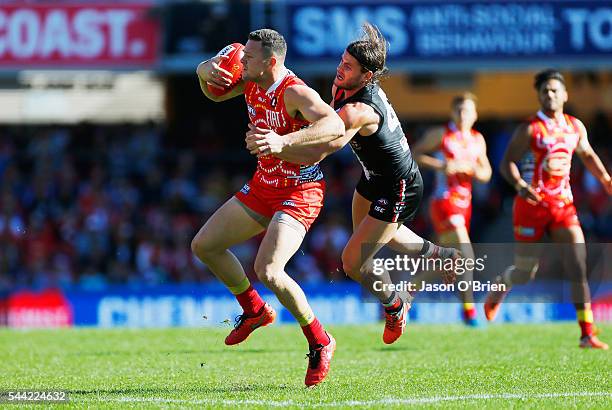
<point x="192" y="367"/>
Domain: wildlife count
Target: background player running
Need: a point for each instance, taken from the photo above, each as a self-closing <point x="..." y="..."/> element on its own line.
<point x="390" y="189"/>
<point x="282" y="197"/>
<point x="459" y="156"/>
<point x="544" y="203"/>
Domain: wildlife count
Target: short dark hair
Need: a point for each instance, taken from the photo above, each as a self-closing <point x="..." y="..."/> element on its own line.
<point x="272" y="42"/>
<point x="370" y="51"/>
<point x="549" y="74"/>
<point x="461" y="98"/>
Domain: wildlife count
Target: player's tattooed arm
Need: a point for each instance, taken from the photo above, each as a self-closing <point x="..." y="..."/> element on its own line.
<point x="591" y="160"/>
<point x="482" y="169"/>
<point x="518" y="146"/>
<point x="209" y="71"/>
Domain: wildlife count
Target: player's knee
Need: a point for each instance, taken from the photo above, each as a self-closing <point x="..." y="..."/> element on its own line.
<point x="351" y="266"/>
<point x="267" y="274"/>
<point x="520" y="277"/>
<point x="203" y="247"/>
<point x="525" y="274"/>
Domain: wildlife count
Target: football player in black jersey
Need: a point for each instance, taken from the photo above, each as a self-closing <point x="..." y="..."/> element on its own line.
<point x="390" y="189"/>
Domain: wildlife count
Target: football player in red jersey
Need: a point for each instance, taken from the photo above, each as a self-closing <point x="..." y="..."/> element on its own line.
<point x="390" y="189"/>
<point x="459" y="157"/>
<point x="537" y="163"/>
<point x="282" y="198"/>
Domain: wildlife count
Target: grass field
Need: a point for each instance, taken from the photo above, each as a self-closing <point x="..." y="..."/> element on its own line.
<point x="538" y="366"/>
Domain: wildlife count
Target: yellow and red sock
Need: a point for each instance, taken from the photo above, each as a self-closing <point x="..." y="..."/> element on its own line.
<point x="585" y="320"/>
<point x="469" y="311"/>
<point x="247" y="296"/>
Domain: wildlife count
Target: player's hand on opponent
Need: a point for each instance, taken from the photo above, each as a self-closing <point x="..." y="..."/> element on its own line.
<point x="528" y="193"/>
<point x="454" y="167"/>
<point x="210" y="72"/>
<point x="262" y="141"/>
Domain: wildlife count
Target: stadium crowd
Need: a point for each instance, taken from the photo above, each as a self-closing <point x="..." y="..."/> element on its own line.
<point x="92" y="205"/>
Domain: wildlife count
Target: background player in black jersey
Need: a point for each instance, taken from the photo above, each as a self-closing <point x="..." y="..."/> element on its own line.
<point x="390" y="189"/>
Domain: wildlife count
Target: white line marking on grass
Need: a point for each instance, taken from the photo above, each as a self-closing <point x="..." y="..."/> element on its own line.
<point x="366" y="403"/>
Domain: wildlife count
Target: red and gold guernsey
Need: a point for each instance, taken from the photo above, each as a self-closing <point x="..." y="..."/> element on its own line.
<point x="457" y="145"/>
<point x="266" y="109"/>
<point x="546" y="166"/>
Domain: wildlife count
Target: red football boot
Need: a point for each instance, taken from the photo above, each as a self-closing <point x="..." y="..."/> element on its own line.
<point x="245" y="325"/>
<point x="493" y="302"/>
<point x="319" y="359"/>
<point x="592" y="342"/>
<point x="395" y="323"/>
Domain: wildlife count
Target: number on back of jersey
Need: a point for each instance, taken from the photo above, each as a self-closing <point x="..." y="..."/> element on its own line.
<point x="392" y="120"/>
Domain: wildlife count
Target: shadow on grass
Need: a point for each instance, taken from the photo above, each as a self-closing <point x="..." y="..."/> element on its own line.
<point x="395" y="349"/>
<point x="174" y="391"/>
<point x="222" y="350"/>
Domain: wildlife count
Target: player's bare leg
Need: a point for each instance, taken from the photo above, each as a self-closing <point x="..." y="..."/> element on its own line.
<point x="526" y="263"/>
<point x="231" y="224"/>
<point x="369" y="236"/>
<point x="459" y="238"/>
<point x="574" y="264"/>
<point x="283" y="238"/>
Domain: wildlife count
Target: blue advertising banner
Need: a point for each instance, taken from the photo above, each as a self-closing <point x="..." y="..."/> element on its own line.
<point x="430" y="35"/>
<point x="212" y="305"/>
<point x="207" y="305"/>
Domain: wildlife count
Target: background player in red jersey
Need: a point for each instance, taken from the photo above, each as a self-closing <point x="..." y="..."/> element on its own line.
<point x="282" y="198"/>
<point x="460" y="156"/>
<point x="390" y="189"/>
<point x="544" y="145"/>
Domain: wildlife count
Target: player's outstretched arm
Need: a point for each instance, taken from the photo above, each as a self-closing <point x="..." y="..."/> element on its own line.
<point x="482" y="169"/>
<point x="591" y="160"/>
<point x="209" y="71"/>
<point x="518" y="146"/>
<point x="430" y="143"/>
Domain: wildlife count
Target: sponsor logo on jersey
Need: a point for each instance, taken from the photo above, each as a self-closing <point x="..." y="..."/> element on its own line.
<point x="245" y="189"/>
<point x="289" y="203"/>
<point x="251" y="110"/>
<point x="273" y="119"/>
<point x="379" y="209"/>
<point x="399" y="207"/>
<point x="383" y="202"/>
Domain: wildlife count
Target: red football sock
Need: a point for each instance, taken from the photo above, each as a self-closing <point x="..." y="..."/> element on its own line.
<point x="585" y="319"/>
<point x="586" y="328"/>
<point x="315" y="334"/>
<point x="250" y="301"/>
<point x="469" y="312"/>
